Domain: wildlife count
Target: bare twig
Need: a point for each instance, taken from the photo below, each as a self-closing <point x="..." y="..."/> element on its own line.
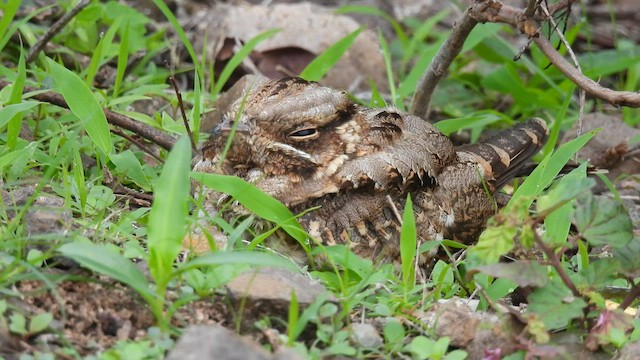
<point x="176" y="89"/>
<point x="137" y="143"/>
<point x="55" y="29"/>
<point x="631" y="296"/>
<point x="555" y="263"/>
<point x="494" y="11"/>
<point x="575" y="63"/>
<point x="145" y="131"/>
<point x="622" y="98"/>
<point x="441" y="62"/>
<point x="526" y="21"/>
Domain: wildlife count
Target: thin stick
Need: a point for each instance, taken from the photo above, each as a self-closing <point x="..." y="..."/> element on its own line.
<point x="55" y="29"/>
<point x="555" y="263"/>
<point x="619" y="98"/>
<point x="495" y="11"/>
<point x="172" y="79"/>
<point x="439" y="65"/>
<point x="145" y="131"/>
<point x="137" y="143"/>
<point x="574" y="58"/>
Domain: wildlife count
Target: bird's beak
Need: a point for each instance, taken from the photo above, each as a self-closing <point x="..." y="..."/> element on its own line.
<point x="227" y="125"/>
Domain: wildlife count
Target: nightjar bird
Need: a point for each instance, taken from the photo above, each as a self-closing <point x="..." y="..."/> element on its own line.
<point x="311" y="146"/>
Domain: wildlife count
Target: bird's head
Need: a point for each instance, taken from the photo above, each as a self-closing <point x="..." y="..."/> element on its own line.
<point x="289" y="126"/>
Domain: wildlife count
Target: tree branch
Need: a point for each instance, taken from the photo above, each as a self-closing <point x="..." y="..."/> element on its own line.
<point x="440" y="63"/>
<point x="145" y="131"/>
<point x="55" y="29"/>
<point x="526" y="21"/>
<point x="620" y="98"/>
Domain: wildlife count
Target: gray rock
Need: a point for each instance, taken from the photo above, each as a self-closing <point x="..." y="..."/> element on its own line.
<point x="629" y="352"/>
<point x="365" y="335"/>
<point x="215" y="342"/>
<point x="274" y="287"/>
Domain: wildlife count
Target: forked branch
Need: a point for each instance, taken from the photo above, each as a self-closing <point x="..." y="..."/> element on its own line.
<point x="483" y="11"/>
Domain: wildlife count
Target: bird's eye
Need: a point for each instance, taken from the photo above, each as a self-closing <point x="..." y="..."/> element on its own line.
<point x="304" y="133"/>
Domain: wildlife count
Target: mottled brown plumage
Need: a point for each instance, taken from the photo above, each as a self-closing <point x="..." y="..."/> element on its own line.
<point x="310" y="146"/>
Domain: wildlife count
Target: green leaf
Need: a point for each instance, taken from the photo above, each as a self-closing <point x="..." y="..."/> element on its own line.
<point x="629" y="256"/>
<point x="9" y="158"/>
<point x="96" y="57"/>
<point x="599" y="273"/>
<point x="542" y="176"/>
<point x="393" y="332"/>
<point x="18" y="324"/>
<point x="523" y="272"/>
<point x="15" y="124"/>
<point x="603" y="221"/>
<point x="568" y="188"/>
<point x="481" y="120"/>
<point x="342" y="256"/>
<point x="370" y="10"/>
<point x="408" y="249"/>
<point x="104" y="261"/>
<point x="9" y="10"/>
<point x="321" y="65"/>
<point x="310" y="313"/>
<point x="83" y="105"/>
<point x="559" y="200"/>
<point x="184" y="39"/>
<point x="9" y="111"/>
<point x="40" y="322"/>
<point x="169" y="211"/>
<point x="421" y="347"/>
<point x="494" y="242"/>
<point x="386" y="55"/>
<point x="238" y="57"/>
<point x="123" y="57"/>
<point x="127" y="163"/>
<point x="255" y="258"/>
<point x="294" y="309"/>
<point x="555" y="305"/>
<point x="256" y="201"/>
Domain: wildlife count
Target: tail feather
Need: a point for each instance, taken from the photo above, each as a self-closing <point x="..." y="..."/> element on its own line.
<point x="508" y="151"/>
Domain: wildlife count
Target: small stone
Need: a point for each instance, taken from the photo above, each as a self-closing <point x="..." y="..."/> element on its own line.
<point x="47" y="215"/>
<point x="454" y="319"/>
<point x="365" y="335"/>
<point x="629" y="351"/>
<point x="273" y="285"/>
<point x="266" y="292"/>
<point x="215" y="342"/>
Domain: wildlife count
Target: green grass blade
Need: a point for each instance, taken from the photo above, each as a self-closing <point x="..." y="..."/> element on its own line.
<point x="294" y="314"/>
<point x="9" y="111"/>
<point x="254" y="258"/>
<point x="127" y="163"/>
<point x="123" y="57"/>
<point x="83" y="105"/>
<point x="168" y="216"/>
<point x="421" y="33"/>
<point x="408" y="249"/>
<point x="386" y="55"/>
<point x="256" y="201"/>
<point x="96" y="58"/>
<point x="102" y="260"/>
<point x="542" y="176"/>
<point x="181" y="34"/>
<point x="480" y="120"/>
<point x="321" y="65"/>
<point x="8" y="13"/>
<point x="370" y="10"/>
<point x="238" y="57"/>
<point x="554" y="132"/>
<point x="13" y="130"/>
